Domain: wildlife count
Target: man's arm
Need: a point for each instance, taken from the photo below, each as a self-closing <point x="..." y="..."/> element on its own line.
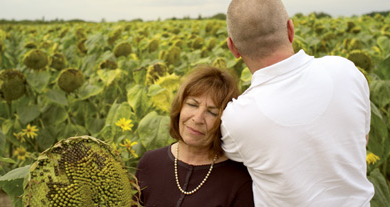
<point x="229" y="145"/>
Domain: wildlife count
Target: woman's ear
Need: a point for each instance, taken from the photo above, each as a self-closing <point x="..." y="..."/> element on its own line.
<point x="290" y="30"/>
<point x="232" y="48"/>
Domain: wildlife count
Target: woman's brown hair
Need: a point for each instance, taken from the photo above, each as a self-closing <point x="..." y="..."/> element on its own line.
<point x="219" y="84"/>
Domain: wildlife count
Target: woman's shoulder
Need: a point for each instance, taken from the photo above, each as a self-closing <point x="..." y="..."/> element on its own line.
<point x="155" y="156"/>
<point x="234" y="168"/>
<point x="155" y="153"/>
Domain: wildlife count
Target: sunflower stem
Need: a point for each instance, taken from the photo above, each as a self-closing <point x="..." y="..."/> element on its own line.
<point x="384" y="168"/>
<point x="9" y="103"/>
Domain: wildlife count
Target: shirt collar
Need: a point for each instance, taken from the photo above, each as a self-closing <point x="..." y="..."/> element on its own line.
<point x="295" y="61"/>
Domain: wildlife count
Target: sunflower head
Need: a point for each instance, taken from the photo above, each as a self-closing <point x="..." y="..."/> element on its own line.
<point x="153" y="45"/>
<point x="211" y="43"/>
<point x="219" y="62"/>
<point x="70" y="79"/>
<point x="30" y="45"/>
<point x="36" y="59"/>
<point x="58" y="61"/>
<point x="197" y="43"/>
<point x="361" y="59"/>
<point x="79" y="171"/>
<point x="81" y="47"/>
<point x="114" y="35"/>
<point x="108" y="64"/>
<point x="172" y="57"/>
<point x="12" y="84"/>
<point x="155" y="71"/>
<point x="122" y="49"/>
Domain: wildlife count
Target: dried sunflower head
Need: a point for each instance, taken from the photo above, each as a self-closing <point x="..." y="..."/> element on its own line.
<point x="108" y="64"/>
<point x="58" y="61"/>
<point x="122" y="49"/>
<point x="155" y="71"/>
<point x="36" y="59"/>
<point x="79" y="171"/>
<point x="361" y="59"/>
<point x="12" y="84"/>
<point x="70" y="79"/>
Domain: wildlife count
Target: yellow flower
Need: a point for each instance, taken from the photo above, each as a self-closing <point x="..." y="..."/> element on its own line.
<point x="125" y="124"/>
<point x="30" y="131"/>
<point x="115" y="148"/>
<point x="19" y="136"/>
<point x="372" y="158"/>
<point x="129" y="144"/>
<point x="21" y="153"/>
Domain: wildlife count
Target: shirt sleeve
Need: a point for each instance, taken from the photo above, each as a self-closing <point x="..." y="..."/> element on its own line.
<point x="229" y="145"/>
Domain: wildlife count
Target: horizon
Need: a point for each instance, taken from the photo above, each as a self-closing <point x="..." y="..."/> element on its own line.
<point x="153" y="10"/>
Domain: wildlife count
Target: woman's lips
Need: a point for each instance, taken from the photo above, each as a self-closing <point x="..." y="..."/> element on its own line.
<point x="193" y="131"/>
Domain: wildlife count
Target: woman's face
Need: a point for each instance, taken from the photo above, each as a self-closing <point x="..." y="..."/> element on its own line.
<point x="197" y="116"/>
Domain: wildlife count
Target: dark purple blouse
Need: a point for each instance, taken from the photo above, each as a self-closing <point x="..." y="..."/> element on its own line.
<point x="229" y="183"/>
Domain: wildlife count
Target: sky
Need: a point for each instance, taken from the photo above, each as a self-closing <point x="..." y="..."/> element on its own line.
<point x="114" y="10"/>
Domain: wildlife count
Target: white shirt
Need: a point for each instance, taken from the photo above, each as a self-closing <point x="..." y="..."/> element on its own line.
<point x="300" y="129"/>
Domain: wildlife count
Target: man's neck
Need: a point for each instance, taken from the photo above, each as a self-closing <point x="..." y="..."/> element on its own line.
<point x="255" y="65"/>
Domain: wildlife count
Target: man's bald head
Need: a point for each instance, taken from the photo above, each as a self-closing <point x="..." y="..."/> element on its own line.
<point x="257" y="27"/>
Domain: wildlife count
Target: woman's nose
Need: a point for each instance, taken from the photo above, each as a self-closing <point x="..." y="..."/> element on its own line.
<point x="198" y="117"/>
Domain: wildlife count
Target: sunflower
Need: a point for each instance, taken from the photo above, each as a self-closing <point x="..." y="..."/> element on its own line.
<point x="125" y="124"/>
<point x="30" y="131"/>
<point x="19" y="136"/>
<point x="129" y="145"/>
<point x="21" y="153"/>
<point x="372" y="158"/>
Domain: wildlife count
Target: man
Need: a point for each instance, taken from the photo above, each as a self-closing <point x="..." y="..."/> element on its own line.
<point x="301" y="127"/>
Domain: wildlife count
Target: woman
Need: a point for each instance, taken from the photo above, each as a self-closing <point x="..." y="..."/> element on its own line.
<point x="194" y="171"/>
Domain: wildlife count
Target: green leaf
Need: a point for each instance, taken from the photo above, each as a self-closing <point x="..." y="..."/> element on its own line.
<point x="138" y="99"/>
<point x="71" y="130"/>
<point x="382" y="191"/>
<point x="7" y="126"/>
<point x="57" y="96"/>
<point x="14" y="189"/>
<point x="380" y="92"/>
<point x="7" y="160"/>
<point x="384" y="67"/>
<point x="46" y="138"/>
<point x="94" y="125"/>
<point x="378" y="134"/>
<point x="12" y="184"/>
<point x="246" y="75"/>
<point x="54" y="114"/>
<point x="139" y="75"/>
<point x="153" y="131"/>
<point x="2" y="143"/>
<point x="27" y="114"/>
<point x="18" y="173"/>
<point x="155" y="89"/>
<point x="108" y="76"/>
<point x="117" y="111"/>
<point x="88" y="90"/>
<point x="38" y="80"/>
<point x="384" y="44"/>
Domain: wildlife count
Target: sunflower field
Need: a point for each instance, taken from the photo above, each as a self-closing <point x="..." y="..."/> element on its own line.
<point x="115" y="81"/>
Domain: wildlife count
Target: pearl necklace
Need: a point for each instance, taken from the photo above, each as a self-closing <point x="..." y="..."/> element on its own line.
<point x="201" y="183"/>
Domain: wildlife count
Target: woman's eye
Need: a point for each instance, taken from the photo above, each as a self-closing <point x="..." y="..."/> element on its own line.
<point x="191" y="104"/>
<point x="213" y="113"/>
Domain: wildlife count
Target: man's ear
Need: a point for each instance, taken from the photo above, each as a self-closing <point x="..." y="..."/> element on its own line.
<point x="232" y="48"/>
<point x="290" y="30"/>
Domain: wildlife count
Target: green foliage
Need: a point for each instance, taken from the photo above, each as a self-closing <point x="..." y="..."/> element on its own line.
<point x="128" y="73"/>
